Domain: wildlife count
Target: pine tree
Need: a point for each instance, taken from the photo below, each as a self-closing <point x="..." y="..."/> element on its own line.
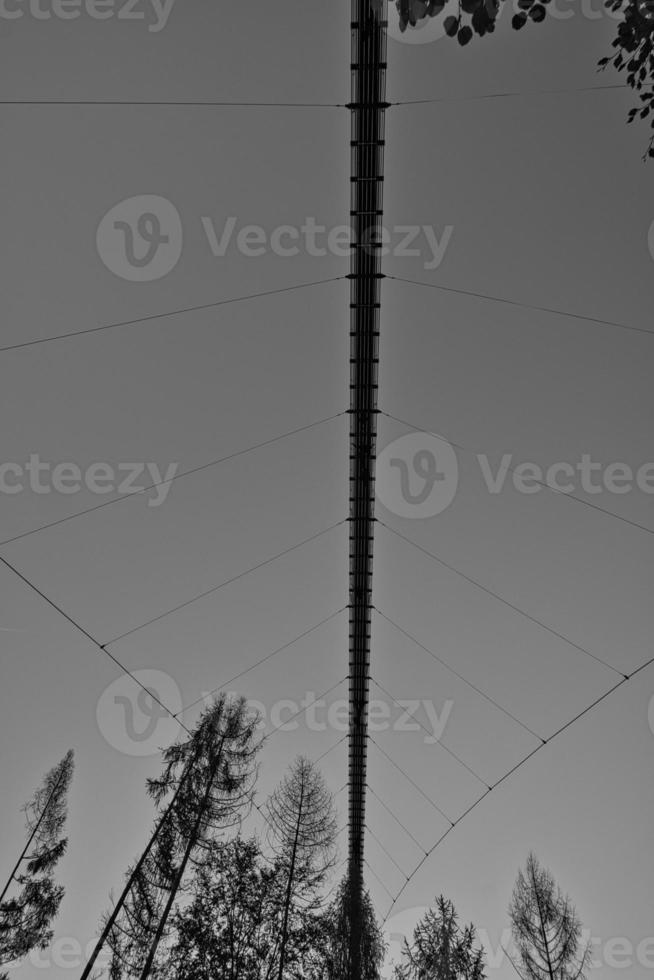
<point x="441" y="949"/>
<point x="205" y="788"/>
<point x="546" y="928"/>
<point x="302" y="824"/>
<point x="26" y="917"/>
<point x="335" y="946"/>
<point x="228" y="927"/>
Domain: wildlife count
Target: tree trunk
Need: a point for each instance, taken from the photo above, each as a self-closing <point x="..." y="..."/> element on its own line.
<point x="289" y="892"/>
<point x="119" y="904"/>
<point x="192" y="841"/>
<point x="31" y="837"/>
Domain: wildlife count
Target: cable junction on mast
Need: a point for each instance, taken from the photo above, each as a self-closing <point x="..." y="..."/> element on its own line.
<point x="367" y="108"/>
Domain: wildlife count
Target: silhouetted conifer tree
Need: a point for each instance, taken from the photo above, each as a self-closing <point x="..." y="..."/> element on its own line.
<point x="26" y="916"/>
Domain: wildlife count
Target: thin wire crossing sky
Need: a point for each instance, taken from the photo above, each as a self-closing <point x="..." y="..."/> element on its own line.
<point x="516" y="611"/>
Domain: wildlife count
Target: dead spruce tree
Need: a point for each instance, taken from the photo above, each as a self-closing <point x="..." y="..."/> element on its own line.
<point x="26" y="917"/>
<point x="302" y="833"/>
<point x="546" y="928"/>
<point x="205" y="788"/>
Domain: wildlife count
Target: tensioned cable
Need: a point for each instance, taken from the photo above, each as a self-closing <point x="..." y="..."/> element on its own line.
<point x="512" y="469"/>
<point x="385" y="850"/>
<point x="221" y="585"/>
<point x="129" y="673"/>
<point x="318" y="758"/>
<point x="410" y="780"/>
<point x="334" y="746"/>
<point x="34" y="588"/>
<point x="162" y="316"/>
<point x="279" y="727"/>
<point x="319" y="697"/>
<point x="396" y="819"/>
<point x="376" y="876"/>
<point x="524" y="306"/>
<point x="474" y="687"/>
<point x="197" y="104"/>
<point x="438" y="742"/>
<point x="500" y="598"/>
<point x="264" y="660"/>
<point x="511" y="95"/>
<point x="515" y="768"/>
<point x="88" y="636"/>
<point x="97" y="643"/>
<point x="174" y="104"/>
<point x="178" y="476"/>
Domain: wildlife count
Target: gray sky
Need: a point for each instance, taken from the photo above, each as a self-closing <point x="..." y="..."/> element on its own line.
<point x="550" y="206"/>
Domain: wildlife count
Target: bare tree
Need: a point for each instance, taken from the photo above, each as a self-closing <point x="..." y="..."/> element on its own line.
<point x="25" y="918"/>
<point x="302" y="824"/>
<point x="546" y="928"/>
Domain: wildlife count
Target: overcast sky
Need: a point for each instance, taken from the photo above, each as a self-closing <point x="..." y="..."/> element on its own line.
<point x="548" y="204"/>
